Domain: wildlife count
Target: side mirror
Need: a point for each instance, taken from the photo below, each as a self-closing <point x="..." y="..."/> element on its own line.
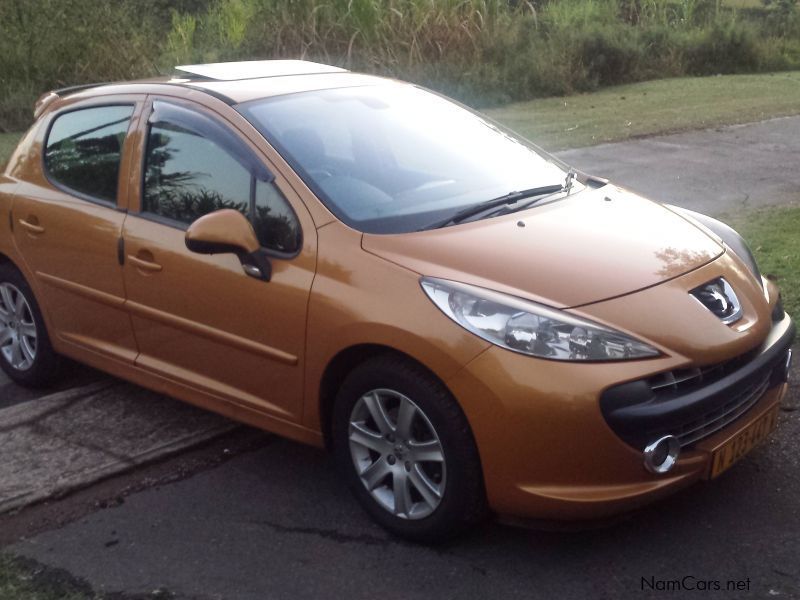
<point x="228" y="231"/>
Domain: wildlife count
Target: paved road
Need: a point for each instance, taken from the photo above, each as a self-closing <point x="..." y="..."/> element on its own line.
<point x="713" y="171"/>
<point x="276" y="523"/>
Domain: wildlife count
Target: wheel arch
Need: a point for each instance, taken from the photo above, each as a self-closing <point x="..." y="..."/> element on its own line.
<point x="5" y="259"/>
<point x="341" y="365"/>
<point x="18" y="264"/>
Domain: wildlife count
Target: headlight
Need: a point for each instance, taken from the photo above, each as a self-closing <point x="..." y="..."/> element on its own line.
<point x="531" y="328"/>
<point x="728" y="235"/>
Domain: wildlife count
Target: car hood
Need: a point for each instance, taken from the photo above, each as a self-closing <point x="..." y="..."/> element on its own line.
<point x="592" y="246"/>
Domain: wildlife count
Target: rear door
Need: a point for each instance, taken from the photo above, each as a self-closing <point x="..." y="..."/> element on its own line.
<point x="67" y="217"/>
<point x="201" y="320"/>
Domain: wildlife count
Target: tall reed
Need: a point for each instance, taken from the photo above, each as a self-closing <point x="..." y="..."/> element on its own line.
<point x="482" y="51"/>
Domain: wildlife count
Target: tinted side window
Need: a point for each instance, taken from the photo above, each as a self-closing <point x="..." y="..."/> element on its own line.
<point x="84" y="148"/>
<point x="188" y="175"/>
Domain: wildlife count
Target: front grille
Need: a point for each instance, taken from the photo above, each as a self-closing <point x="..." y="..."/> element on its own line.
<point x="694" y="403"/>
<point x="714" y="420"/>
<point x="681" y="381"/>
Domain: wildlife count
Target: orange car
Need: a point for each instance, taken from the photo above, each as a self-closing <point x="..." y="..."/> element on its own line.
<point x="357" y="262"/>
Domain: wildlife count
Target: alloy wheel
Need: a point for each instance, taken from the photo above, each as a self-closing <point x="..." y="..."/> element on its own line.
<point x="18" y="335"/>
<point x="397" y="454"/>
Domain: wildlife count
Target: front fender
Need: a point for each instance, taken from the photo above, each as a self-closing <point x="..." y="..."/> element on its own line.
<point x="358" y="298"/>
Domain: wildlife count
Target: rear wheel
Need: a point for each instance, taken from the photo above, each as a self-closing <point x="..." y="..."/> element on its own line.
<point x="406" y="450"/>
<point x="26" y="355"/>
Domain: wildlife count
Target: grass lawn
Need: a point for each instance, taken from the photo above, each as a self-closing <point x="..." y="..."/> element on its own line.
<point x="773" y="235"/>
<point x="8" y="142"/>
<point x="743" y="3"/>
<point x="652" y="107"/>
<point x="24" y="579"/>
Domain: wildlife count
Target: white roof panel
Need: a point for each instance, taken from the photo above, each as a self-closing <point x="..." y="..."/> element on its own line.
<point x="254" y="69"/>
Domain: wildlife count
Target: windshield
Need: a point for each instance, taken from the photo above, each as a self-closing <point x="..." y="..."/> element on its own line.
<point x="396" y="158"/>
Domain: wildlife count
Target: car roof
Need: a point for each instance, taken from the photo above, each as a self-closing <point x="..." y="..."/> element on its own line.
<point x="232" y="82"/>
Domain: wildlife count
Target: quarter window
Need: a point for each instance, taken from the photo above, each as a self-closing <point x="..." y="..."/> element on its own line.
<point x="188" y="175"/>
<point x="84" y="148"/>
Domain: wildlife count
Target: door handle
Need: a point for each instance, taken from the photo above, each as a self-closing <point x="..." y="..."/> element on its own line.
<point x="144" y="265"/>
<point x="31" y="227"/>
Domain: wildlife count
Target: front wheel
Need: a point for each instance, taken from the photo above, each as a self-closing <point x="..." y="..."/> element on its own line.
<point x="406" y="450"/>
<point x="26" y="355"/>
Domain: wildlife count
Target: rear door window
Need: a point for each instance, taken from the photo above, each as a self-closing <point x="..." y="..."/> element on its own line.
<point x="84" y="149"/>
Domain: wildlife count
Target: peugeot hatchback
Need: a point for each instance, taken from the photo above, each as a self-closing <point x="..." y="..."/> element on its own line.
<point x="358" y="263"/>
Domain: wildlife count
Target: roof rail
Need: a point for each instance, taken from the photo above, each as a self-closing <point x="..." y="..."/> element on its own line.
<point x="72" y="89"/>
<point x="48" y="97"/>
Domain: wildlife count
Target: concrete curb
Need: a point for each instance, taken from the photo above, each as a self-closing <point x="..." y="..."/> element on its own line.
<point x="20" y="414"/>
<point x="69" y="440"/>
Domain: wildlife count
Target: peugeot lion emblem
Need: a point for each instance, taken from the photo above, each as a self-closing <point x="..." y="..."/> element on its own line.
<point x="718" y="297"/>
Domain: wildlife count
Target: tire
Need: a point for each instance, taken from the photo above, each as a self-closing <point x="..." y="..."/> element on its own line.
<point x="26" y="354"/>
<point x="424" y="471"/>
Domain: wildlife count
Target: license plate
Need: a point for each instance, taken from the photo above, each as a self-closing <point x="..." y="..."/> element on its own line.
<point x="726" y="457"/>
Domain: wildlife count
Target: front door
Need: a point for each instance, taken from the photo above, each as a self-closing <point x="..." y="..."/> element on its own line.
<point x="68" y="223"/>
<point x="201" y="320"/>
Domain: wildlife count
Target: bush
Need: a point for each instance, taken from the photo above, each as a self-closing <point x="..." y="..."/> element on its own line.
<point x="731" y="48"/>
<point x="608" y="55"/>
<point x="481" y="51"/>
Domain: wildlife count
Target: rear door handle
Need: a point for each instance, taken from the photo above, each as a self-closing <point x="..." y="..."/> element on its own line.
<point x="31" y="227"/>
<point x="144" y="265"/>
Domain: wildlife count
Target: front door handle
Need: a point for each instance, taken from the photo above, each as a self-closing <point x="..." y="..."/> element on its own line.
<point x="32" y="227"/>
<point x="144" y="265"/>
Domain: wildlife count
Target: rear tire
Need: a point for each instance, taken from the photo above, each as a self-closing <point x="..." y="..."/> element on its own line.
<point x="406" y="450"/>
<point x="26" y="354"/>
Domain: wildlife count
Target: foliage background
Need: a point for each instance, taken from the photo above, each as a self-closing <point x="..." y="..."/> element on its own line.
<point x="484" y="52"/>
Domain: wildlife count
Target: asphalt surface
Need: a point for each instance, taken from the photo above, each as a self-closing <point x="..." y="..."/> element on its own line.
<point x="715" y="171"/>
<point x="272" y="520"/>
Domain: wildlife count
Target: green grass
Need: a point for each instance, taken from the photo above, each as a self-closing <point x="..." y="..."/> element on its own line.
<point x="22" y="579"/>
<point x="651" y="108"/>
<point x="26" y="579"/>
<point x="484" y="52"/>
<point x="744" y="3"/>
<point x="773" y="235"/>
<point x="8" y="142"/>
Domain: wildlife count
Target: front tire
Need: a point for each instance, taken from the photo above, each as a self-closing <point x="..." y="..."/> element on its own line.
<point x="406" y="450"/>
<point x="26" y="355"/>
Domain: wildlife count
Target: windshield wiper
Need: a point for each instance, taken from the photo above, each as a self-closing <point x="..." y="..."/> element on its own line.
<point x="568" y="183"/>
<point x="481" y="207"/>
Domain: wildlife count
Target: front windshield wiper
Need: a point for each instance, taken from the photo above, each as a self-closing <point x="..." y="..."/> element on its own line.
<point x="481" y="207"/>
<point x="568" y="184"/>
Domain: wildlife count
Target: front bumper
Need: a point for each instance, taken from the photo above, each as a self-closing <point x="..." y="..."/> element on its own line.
<point x="547" y="450"/>
<point x="692" y="404"/>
